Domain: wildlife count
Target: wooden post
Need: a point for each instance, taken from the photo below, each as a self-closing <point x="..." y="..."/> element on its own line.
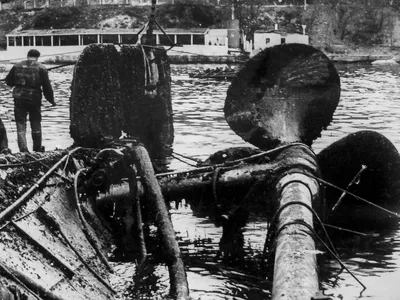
<point x="177" y="273"/>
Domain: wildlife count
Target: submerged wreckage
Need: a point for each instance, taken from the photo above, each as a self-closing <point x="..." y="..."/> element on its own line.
<point x="59" y="220"/>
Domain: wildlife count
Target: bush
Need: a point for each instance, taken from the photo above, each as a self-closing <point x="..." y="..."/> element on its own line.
<point x="56" y="18"/>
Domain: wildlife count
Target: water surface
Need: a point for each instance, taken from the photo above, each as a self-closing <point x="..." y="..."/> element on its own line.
<point x="369" y="100"/>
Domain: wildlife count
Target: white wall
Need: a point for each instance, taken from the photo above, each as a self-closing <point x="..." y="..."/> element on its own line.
<point x="275" y="39"/>
<point x="17" y="53"/>
<point x="260" y="40"/>
<point x="297" y="38"/>
<point x="217" y="37"/>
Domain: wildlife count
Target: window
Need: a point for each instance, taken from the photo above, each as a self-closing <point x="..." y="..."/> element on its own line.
<point x="66" y="40"/>
<point x="18" y="41"/>
<point x="184" y="39"/>
<point x="28" y="40"/>
<point x="43" y="40"/>
<point x="129" y="38"/>
<point x="164" y="39"/>
<point x="88" y="39"/>
<point x="267" y="40"/>
<point x="109" y="38"/>
<point x="198" y="39"/>
<point x="151" y="42"/>
<point x="11" y="41"/>
<point x="283" y="40"/>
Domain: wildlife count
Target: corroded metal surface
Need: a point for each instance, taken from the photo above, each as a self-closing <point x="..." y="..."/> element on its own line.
<point x="284" y="94"/>
<point x="122" y="91"/>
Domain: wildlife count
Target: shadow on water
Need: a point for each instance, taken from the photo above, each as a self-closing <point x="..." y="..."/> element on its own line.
<point x="210" y="274"/>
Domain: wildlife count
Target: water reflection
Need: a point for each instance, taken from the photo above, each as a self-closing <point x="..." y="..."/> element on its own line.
<point x="369" y="100"/>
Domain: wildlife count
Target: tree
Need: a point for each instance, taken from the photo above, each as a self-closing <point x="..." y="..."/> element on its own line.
<point x="247" y="12"/>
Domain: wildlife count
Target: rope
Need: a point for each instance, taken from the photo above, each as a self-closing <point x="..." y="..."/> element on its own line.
<point x="353" y="181"/>
<point x="46" y="166"/>
<point x="53" y="68"/>
<point x="348" y="193"/>
<point x="234" y="162"/>
<point x="278" y="212"/>
<point x="116" y="151"/>
<point x="144" y="64"/>
<point x="187" y="157"/>
<point x="169" y="39"/>
<point x="185" y="162"/>
<point x="301" y="222"/>
<point x="352" y="231"/>
<point x="355" y="196"/>
<point x="85" y="228"/>
<point x="331" y="249"/>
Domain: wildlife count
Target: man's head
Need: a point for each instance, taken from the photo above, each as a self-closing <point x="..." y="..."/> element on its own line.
<point x="33" y="54"/>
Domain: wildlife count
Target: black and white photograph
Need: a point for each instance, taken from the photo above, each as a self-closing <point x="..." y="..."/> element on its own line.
<point x="199" y="149"/>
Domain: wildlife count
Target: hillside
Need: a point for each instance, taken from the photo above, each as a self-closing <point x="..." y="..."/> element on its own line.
<point x="115" y="16"/>
<point x="332" y="28"/>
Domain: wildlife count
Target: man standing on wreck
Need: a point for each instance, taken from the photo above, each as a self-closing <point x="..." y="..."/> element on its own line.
<point x="29" y="77"/>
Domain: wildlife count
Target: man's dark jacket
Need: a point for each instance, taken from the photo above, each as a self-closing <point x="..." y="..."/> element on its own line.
<point x="29" y="78"/>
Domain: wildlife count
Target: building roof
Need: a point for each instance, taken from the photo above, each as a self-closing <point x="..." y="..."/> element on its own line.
<point x="282" y="32"/>
<point x="41" y="32"/>
<point x="197" y="30"/>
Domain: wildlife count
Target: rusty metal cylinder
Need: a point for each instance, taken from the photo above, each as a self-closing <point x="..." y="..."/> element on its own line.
<point x="122" y="91"/>
<point x="295" y="265"/>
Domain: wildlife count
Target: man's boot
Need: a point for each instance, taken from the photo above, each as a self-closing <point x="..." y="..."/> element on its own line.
<point x="37" y="141"/>
<point x="21" y="137"/>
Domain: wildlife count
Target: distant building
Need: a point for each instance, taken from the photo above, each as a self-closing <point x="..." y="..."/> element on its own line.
<point x="269" y="38"/>
<point x="66" y="44"/>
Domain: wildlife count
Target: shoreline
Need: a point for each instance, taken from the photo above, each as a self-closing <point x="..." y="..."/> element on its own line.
<point x="237" y="59"/>
<point x="226" y="59"/>
<point x="355" y="58"/>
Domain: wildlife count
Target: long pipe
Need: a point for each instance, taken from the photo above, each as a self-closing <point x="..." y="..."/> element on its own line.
<point x="177" y="273"/>
<point x="26" y="196"/>
<point x="295" y="265"/>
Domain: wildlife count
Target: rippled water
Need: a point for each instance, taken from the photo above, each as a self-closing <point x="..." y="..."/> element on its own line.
<point x="369" y="100"/>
